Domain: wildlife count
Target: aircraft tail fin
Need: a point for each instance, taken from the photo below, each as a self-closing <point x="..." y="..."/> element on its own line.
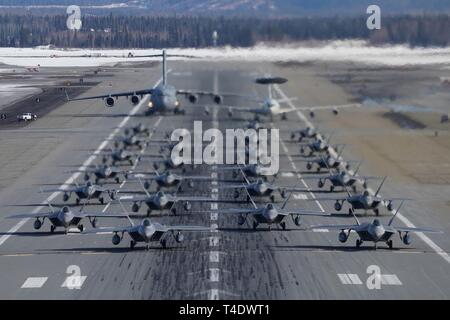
<point x="164" y="66"/>
<point x="381" y="185"/>
<point x="250" y="197"/>
<point x="398" y="209"/>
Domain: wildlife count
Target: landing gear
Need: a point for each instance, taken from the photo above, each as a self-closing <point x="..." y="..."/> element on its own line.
<point x="320" y="184"/>
<point x="358" y="243"/>
<point x="77" y="201"/>
<point x="272" y="198"/>
<point x="390" y="244"/>
<point x="331" y="188"/>
<point x="377" y="212"/>
<point x="174" y="211"/>
<point x="308" y="166"/>
<point x="52" y="228"/>
<point x="255" y="225"/>
<point x="102" y="200"/>
<point x="236" y="194"/>
<point x="81" y="228"/>
<point x="117" y="180"/>
<point x="149" y="211"/>
<point x="338" y="206"/>
<point x="283" y="225"/>
<point x="163" y="243"/>
<point x="350" y="211"/>
<point x="37" y="224"/>
<point x="132" y="244"/>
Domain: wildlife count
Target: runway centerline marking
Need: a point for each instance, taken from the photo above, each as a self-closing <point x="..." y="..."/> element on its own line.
<point x="75" y="175"/>
<point x="401" y="217"/>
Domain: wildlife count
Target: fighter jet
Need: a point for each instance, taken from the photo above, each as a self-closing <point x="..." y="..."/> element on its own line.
<point x="345" y="179"/>
<point x="102" y="172"/>
<point x="270" y="214"/>
<point x="364" y="201"/>
<point x="131" y="141"/>
<point x="163" y="98"/>
<point x="120" y="155"/>
<point x="376" y="231"/>
<point x="329" y="162"/>
<point x="138" y="129"/>
<point x="161" y="201"/>
<point x="87" y="191"/>
<point x="167" y="179"/>
<point x="259" y="188"/>
<point x="64" y="217"/>
<point x="306" y="133"/>
<point x="250" y="170"/>
<point x="147" y="232"/>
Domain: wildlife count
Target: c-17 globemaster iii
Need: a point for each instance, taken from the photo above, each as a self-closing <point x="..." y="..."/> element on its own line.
<point x="163" y="97"/>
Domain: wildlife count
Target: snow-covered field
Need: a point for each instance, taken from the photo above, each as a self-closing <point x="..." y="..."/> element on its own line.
<point x="339" y="51"/>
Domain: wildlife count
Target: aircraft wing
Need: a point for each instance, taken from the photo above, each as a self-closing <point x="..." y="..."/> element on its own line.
<point x="107" y="230"/>
<point x="301" y="212"/>
<point x="192" y="199"/>
<point x="133" y="198"/>
<point x="86" y="214"/>
<point x="335" y="226"/>
<point x="287" y="110"/>
<point x="237" y="211"/>
<point x="30" y="215"/>
<point x="189" y="228"/>
<point x="212" y="94"/>
<point x="68" y="190"/>
<point x="115" y="95"/>
<point x="423" y="230"/>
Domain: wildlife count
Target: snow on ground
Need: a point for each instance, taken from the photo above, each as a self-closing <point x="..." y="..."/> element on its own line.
<point x="339" y="51"/>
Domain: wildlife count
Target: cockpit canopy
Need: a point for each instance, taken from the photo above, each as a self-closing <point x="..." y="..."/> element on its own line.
<point x="146" y="223"/>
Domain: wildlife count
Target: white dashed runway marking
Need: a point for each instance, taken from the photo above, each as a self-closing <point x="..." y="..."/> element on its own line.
<point x="34" y="282"/>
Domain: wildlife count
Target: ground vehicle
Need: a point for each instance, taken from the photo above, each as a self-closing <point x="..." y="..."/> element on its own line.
<point x="27" y="117"/>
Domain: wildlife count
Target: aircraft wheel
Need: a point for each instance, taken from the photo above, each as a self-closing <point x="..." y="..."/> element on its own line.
<point x="331" y="188"/>
<point x="174" y="211"/>
<point x="81" y="228"/>
<point x="236" y="194"/>
<point x="255" y="225"/>
<point x="377" y="212"/>
<point x="149" y="211"/>
<point x="117" y="180"/>
<point x="102" y="200"/>
<point x="308" y="166"/>
<point x="390" y="244"/>
<point x="302" y="150"/>
<point x="52" y="228"/>
<point x="132" y="244"/>
<point x="358" y="243"/>
<point x="320" y="184"/>
<point x="77" y="201"/>
<point x="272" y="198"/>
<point x="350" y="211"/>
<point x="354" y="188"/>
<point x="283" y="225"/>
<point x="163" y="243"/>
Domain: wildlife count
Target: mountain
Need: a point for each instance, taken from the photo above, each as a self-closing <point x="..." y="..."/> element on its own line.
<point x="270" y="8"/>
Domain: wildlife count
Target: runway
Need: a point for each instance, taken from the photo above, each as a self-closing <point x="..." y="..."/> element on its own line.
<point x="232" y="262"/>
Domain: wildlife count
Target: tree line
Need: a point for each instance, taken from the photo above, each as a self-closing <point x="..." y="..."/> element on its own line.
<point x="187" y="31"/>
